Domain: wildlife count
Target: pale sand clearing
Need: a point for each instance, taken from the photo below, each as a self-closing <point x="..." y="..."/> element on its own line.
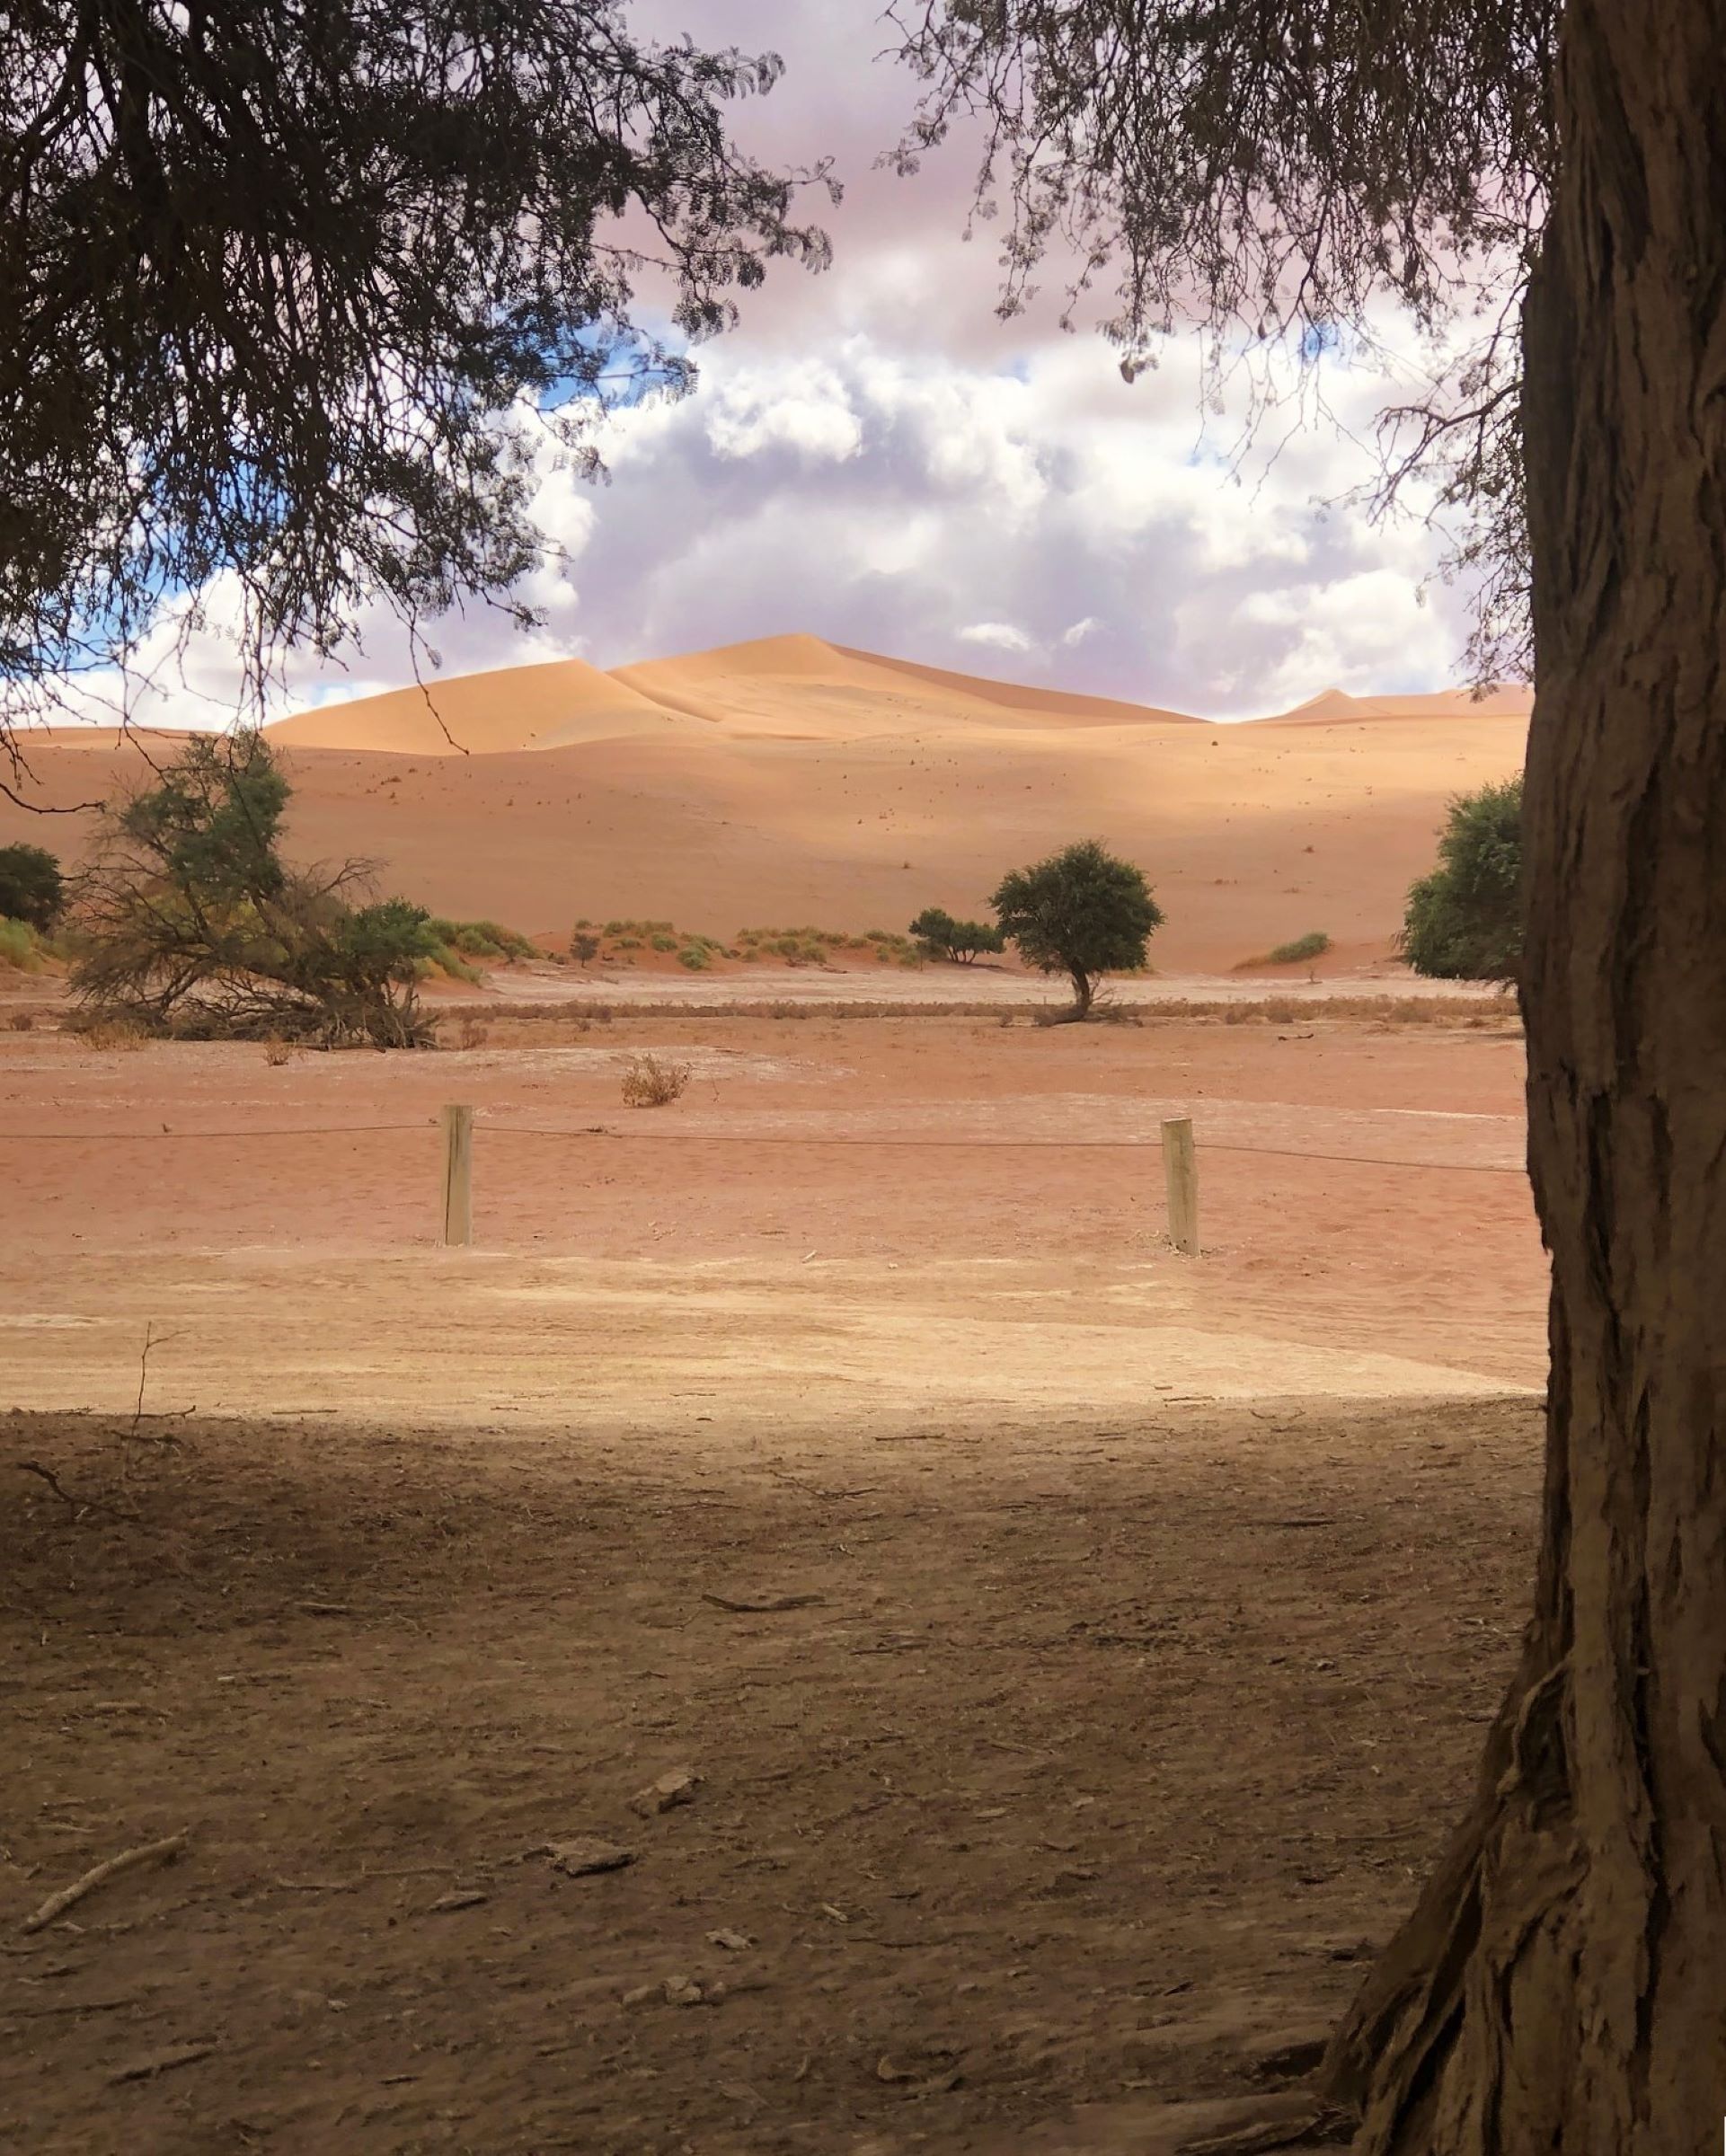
<point x="744" y="1241"/>
<point x="790" y="782"/>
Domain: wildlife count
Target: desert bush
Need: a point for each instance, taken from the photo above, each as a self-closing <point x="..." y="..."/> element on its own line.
<point x="661" y="942"/>
<point x="20" y="947"/>
<point x="474" y="1033"/>
<point x="276" y="1052"/>
<point x="110" y="1036"/>
<point x="1464" y="922"/>
<point x="191" y="922"/>
<point x="959" y="942"/>
<point x="31" y="888"/>
<point x="694" y="957"/>
<point x="648" y="1083"/>
<point x="1314" y="944"/>
<point x="21" y="1021"/>
<point x="481" y="940"/>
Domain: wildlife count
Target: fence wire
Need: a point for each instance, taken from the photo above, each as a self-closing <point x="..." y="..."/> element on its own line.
<point x="751" y="1138"/>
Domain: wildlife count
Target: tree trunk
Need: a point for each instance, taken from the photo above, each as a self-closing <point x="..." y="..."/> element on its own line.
<point x="1084" y="992"/>
<point x="1561" y="1986"/>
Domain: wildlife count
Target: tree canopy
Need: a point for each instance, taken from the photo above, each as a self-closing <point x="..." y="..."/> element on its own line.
<point x="288" y="287"/>
<point x="31" y="887"/>
<point x="961" y="943"/>
<point x="1463" y="920"/>
<point x="1084" y="912"/>
<point x="1274" y="174"/>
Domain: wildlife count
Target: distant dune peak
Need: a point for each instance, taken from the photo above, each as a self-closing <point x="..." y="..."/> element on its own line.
<point x="796" y="686"/>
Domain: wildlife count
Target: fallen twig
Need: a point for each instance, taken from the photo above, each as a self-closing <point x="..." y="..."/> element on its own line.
<point x="864" y="1489"/>
<point x="160" y="2062"/>
<point x="763" y="1605"/>
<point x="35" y="1467"/>
<point x="129" y="1860"/>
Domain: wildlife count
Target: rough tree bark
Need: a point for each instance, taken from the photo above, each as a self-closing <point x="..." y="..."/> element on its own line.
<point x="1561" y="1986"/>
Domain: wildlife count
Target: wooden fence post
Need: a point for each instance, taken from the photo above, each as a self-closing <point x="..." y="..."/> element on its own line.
<point x="458" y="1174"/>
<point x="1180" y="1175"/>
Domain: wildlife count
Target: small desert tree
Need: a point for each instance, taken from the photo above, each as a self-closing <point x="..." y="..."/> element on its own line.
<point x="1084" y="912"/>
<point x="958" y="942"/>
<point x="584" y="946"/>
<point x="1463" y="920"/>
<point x="31" y="888"/>
<point x="191" y="921"/>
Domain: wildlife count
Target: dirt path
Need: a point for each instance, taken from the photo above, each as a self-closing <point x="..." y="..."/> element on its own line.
<point x="1111" y="1743"/>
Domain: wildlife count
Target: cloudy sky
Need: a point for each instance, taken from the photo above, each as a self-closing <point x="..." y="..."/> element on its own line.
<point x="875" y="458"/>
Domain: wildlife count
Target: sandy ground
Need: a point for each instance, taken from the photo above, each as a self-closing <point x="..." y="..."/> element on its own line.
<point x="1140" y="1613"/>
<point x="792" y="782"/>
<point x="902" y="1199"/>
<point x="1090" y="1759"/>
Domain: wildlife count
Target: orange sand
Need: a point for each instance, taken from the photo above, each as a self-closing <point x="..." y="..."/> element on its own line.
<point x="791" y="781"/>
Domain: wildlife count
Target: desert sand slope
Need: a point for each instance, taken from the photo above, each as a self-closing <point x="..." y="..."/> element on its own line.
<point x="480" y="714"/>
<point x="790" y="782"/>
<point x="1006" y="699"/>
<point x="1336" y="707"/>
<point x="803" y="688"/>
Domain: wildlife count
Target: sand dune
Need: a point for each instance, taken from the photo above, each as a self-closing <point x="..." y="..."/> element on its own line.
<point x="791" y="781"/>
<point x="802" y="687"/>
<point x="482" y="714"/>
<point x="1336" y="707"/>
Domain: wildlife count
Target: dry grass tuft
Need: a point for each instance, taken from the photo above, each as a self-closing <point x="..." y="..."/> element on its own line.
<point x="649" y="1082"/>
<point x="276" y="1052"/>
<point x="113" y="1037"/>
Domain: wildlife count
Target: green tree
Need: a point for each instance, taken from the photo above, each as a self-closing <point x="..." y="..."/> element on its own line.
<point x="191" y="921"/>
<point x="1543" y="183"/>
<point x="1084" y="912"/>
<point x="959" y="941"/>
<point x="31" y="887"/>
<point x="584" y="946"/>
<point x="1463" y="920"/>
<point x="279" y="285"/>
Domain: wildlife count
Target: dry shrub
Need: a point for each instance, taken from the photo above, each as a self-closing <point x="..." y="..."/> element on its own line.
<point x="650" y="1083"/>
<point x="113" y="1036"/>
<point x="21" y="1021"/>
<point x="474" y="1033"/>
<point x="276" y="1052"/>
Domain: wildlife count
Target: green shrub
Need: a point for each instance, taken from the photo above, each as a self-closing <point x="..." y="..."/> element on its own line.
<point x="694" y="957"/>
<point x="1464" y="922"/>
<point x="939" y="936"/>
<point x="20" y="947"/>
<point x="481" y="940"/>
<point x="1314" y="944"/>
<point x="661" y="942"/>
<point x="31" y="888"/>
